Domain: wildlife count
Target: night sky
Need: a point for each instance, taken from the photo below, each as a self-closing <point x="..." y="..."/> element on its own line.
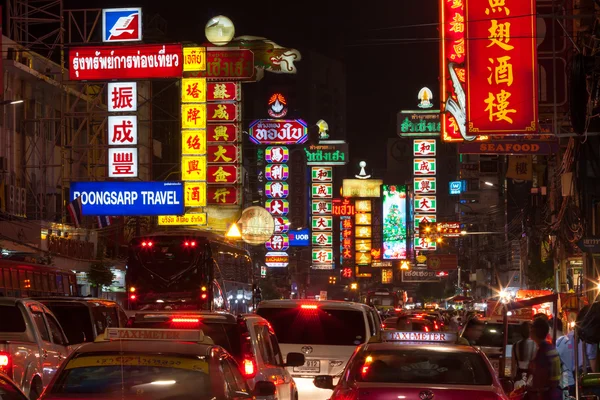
<point x="390" y="50"/>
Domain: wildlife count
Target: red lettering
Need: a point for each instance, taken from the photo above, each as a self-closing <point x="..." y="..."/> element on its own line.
<point x="535" y="148"/>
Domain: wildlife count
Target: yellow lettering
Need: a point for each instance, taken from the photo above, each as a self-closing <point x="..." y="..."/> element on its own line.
<point x="500" y="35"/>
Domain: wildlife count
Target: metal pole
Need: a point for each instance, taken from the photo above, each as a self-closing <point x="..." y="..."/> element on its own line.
<point x="459" y="287"/>
<point x="502" y="363"/>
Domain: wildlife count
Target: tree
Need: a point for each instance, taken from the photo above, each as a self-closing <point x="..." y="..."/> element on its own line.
<point x="540" y="274"/>
<point x="393" y="230"/>
<point x="100" y="275"/>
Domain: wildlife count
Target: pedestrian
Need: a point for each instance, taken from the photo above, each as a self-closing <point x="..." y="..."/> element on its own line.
<point x="566" y="351"/>
<point x="545" y="367"/>
<point x="472" y="333"/>
<point x="523" y="352"/>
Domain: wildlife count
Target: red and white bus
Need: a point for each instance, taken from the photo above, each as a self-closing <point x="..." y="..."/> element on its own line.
<point x="23" y="279"/>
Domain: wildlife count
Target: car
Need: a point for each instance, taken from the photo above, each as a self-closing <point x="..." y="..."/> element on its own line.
<point x="32" y="344"/>
<point x="152" y="364"/>
<point x="410" y="323"/>
<point x="249" y="338"/>
<point x="9" y="390"/>
<point x="327" y="332"/>
<point x="84" y="318"/>
<point x="491" y="340"/>
<point x="416" y="365"/>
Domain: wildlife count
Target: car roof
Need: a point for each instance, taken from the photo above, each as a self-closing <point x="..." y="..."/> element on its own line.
<point x="146" y="346"/>
<point x="292" y="303"/>
<point x="448" y="347"/>
<point x="67" y="299"/>
<point x="167" y="314"/>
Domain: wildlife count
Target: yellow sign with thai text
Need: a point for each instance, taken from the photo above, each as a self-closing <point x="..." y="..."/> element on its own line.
<point x="191" y="219"/>
<point x="362" y="188"/>
<point x="194" y="59"/>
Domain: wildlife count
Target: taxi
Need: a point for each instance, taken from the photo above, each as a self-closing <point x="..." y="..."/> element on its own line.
<point x="416" y="365"/>
<point x="152" y="364"/>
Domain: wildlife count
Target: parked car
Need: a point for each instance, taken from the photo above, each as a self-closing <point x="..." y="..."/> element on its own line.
<point x="248" y="338"/>
<point x="327" y="332"/>
<point x="32" y="344"/>
<point x="84" y="318"/>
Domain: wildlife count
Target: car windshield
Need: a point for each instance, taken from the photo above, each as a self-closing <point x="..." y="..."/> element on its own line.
<point x="321" y="326"/>
<point x="143" y="376"/>
<point x="226" y="335"/>
<point x="12" y="319"/>
<point x="421" y="366"/>
<point x="493" y="335"/>
<point x="75" y="320"/>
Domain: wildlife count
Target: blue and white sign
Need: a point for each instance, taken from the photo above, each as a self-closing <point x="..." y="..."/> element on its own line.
<point x="299" y="238"/>
<point x="121" y="25"/>
<point x="457" y="187"/>
<point x="129" y="198"/>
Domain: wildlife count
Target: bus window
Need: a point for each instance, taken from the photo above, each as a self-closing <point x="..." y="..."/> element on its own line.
<point x="59" y="284"/>
<point x="37" y="281"/>
<point x="6" y="274"/>
<point x="52" y="282"/>
<point x="45" y="282"/>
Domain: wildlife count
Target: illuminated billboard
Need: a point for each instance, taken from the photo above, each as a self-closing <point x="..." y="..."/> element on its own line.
<point x="394" y="222"/>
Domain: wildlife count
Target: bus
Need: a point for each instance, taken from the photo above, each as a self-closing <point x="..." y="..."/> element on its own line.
<point x="24" y="279"/>
<point x="188" y="270"/>
<point x="384" y="300"/>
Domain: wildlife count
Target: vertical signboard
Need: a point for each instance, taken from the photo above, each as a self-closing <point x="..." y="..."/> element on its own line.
<point x="122" y="130"/>
<point x="501" y="74"/>
<point x="424" y="200"/>
<point x="277" y="192"/>
<point x="394" y="222"/>
<point x="321" y="217"/>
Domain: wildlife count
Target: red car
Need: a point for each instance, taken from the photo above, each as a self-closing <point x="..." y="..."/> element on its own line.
<point x="416" y="366"/>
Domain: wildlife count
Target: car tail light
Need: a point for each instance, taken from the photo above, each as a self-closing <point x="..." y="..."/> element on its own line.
<point x="147" y="244"/>
<point x="308" y="306"/>
<point x="132" y="297"/>
<point x="6" y="363"/>
<point x="426" y="329"/>
<point x="248" y="365"/>
<point x="185" y="320"/>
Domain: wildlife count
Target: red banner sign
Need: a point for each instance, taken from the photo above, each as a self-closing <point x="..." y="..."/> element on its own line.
<point x="224" y="91"/>
<point x="222" y="153"/>
<point x="442" y="262"/>
<point x="222" y="174"/>
<point x="222" y="195"/>
<point x="226" y="112"/>
<point x="343" y="207"/>
<point x="144" y="61"/>
<point x="228" y="63"/>
<point x="452" y="75"/>
<point x="222" y="132"/>
<point x="502" y="68"/>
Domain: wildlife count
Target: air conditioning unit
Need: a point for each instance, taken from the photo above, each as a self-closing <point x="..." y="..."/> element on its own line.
<point x="23" y="202"/>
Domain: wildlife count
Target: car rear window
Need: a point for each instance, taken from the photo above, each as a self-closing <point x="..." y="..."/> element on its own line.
<point x="321" y="326"/>
<point x="421" y="366"/>
<point x="75" y="320"/>
<point x="128" y="375"/>
<point x="226" y="335"/>
<point x="493" y="335"/>
<point x="12" y="319"/>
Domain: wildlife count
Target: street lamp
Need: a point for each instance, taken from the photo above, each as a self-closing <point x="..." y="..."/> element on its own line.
<point x="489" y="183"/>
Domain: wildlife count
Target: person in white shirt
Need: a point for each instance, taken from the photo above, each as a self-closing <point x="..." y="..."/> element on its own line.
<point x="523" y="352"/>
<point x="566" y="352"/>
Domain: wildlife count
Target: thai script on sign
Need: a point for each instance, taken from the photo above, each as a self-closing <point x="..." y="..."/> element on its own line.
<point x="140" y="61"/>
<point x="278" y="131"/>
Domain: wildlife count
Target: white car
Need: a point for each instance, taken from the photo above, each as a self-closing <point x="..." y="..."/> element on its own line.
<point x="326" y="332"/>
<point x="250" y="339"/>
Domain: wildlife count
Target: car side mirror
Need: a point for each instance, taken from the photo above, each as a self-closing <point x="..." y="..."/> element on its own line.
<point x="507" y="385"/>
<point x="295" y="360"/>
<point x="324" y="382"/>
<point x="264" y="388"/>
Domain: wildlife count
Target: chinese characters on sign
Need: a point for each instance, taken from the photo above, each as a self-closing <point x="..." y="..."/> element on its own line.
<point x="347" y="241"/>
<point x="277" y="190"/>
<point x="424" y="148"/>
<point x="122" y="130"/>
<point x="321" y="217"/>
<point x="425" y="185"/>
<point x="424" y="200"/>
<point x="502" y="79"/>
<point x="363" y="233"/>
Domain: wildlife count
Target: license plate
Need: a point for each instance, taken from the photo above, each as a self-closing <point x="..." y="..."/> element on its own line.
<point x="310" y="366"/>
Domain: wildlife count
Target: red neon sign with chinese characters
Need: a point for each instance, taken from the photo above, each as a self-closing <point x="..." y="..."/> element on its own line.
<point x="223" y="91"/>
<point x="222" y="132"/>
<point x="226" y="112"/>
<point x="502" y="72"/>
<point x="143" y="61"/>
<point x="453" y="50"/>
<point x="343" y="207"/>
<point x="222" y="195"/>
<point x="222" y="153"/>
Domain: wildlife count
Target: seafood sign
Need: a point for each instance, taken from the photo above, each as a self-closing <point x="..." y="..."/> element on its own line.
<point x="125" y="62"/>
<point x="278" y="131"/>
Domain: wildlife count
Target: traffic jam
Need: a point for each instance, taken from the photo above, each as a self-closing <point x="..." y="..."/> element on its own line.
<point x="75" y="348"/>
